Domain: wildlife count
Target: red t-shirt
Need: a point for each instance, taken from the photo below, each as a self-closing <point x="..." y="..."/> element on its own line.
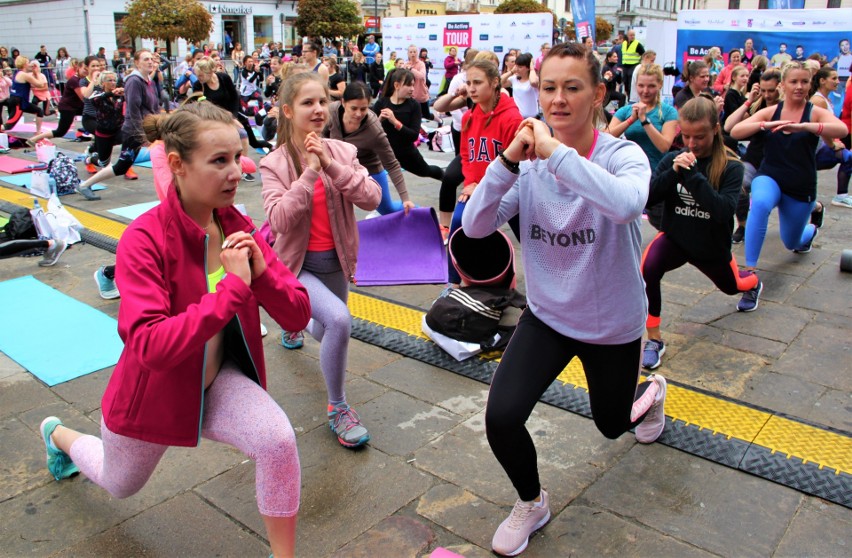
<point x="320" y="238"/>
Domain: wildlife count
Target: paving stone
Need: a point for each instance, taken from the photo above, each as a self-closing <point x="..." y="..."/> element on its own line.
<point x="394" y="536"/>
<point x="578" y="531"/>
<point x="834" y="408"/>
<point x="163" y="530"/>
<point x="775" y="257"/>
<point x="689" y="278"/>
<point x="295" y="381"/>
<point x="780" y="392"/>
<point x="9" y="367"/>
<point x="777" y="287"/>
<point x="710" y="308"/>
<point x="819" y="355"/>
<point x="829" y="278"/>
<point x="714" y="367"/>
<point x="697" y="501"/>
<point x="21" y="392"/>
<point x="771" y="321"/>
<point x="364" y="358"/>
<point x="819" y="529"/>
<point x="400" y="424"/>
<point x="451" y="391"/>
<point x="22" y="459"/>
<point x="59" y="514"/>
<point x="821" y="300"/>
<point x="571" y="455"/>
<point x="344" y="492"/>
<point x="85" y="392"/>
<point x="462" y="512"/>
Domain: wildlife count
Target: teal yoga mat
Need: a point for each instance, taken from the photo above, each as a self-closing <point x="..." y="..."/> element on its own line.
<point x="24" y="180"/>
<point x="146" y="164"/>
<point x="54" y="336"/>
<point x="133" y="211"/>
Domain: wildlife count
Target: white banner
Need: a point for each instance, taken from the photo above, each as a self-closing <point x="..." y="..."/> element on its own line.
<point x="497" y="33"/>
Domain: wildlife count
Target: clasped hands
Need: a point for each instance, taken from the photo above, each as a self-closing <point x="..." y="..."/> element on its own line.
<point x="533" y="140"/>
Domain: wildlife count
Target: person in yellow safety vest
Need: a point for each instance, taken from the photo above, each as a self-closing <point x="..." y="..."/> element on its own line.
<point x="631" y="54"/>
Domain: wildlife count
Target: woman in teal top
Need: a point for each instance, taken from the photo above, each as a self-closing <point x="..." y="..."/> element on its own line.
<point x="650" y="123"/>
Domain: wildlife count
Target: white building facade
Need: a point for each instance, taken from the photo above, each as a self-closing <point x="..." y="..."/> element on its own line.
<point x="84" y="26"/>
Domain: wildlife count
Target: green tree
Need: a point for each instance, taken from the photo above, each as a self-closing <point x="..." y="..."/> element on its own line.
<point x="524" y="7"/>
<point x="603" y="30"/>
<point x="168" y="20"/>
<point x="328" y="18"/>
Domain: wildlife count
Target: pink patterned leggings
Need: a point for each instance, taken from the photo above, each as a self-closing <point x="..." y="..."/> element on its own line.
<point x="237" y="412"/>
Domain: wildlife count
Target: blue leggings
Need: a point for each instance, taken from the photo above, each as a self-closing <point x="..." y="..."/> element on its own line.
<point x="387" y="205"/>
<point x="793" y="217"/>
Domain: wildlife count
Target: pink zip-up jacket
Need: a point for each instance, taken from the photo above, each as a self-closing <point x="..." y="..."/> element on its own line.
<point x="166" y="318"/>
<point x="421" y="91"/>
<point x="288" y="202"/>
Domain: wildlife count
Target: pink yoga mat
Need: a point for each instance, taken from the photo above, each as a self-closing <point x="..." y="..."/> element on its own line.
<point x="399" y="249"/>
<point x="27" y="127"/>
<point x="13" y="165"/>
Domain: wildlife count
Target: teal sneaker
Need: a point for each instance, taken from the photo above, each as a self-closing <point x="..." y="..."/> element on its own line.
<point x="345" y="423"/>
<point x="58" y="462"/>
<point x="292" y="339"/>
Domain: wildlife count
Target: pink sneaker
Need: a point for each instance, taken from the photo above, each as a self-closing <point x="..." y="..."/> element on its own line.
<point x="526" y="518"/>
<point x="650" y="429"/>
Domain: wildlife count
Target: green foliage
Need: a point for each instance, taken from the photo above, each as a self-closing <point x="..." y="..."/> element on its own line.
<point x="523" y="7"/>
<point x="603" y="30"/>
<point x="167" y="20"/>
<point x="328" y="18"/>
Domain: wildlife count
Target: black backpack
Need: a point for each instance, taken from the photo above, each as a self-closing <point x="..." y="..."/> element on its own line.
<point x="20" y="226"/>
<point x="472" y="314"/>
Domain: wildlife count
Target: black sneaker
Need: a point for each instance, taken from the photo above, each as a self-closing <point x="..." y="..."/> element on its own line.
<point x="739" y="235"/>
<point x="805" y="248"/>
<point x="818" y="216"/>
<point x="248" y="177"/>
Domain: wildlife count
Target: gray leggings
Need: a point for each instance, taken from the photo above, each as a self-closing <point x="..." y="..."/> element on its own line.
<point x="331" y="322"/>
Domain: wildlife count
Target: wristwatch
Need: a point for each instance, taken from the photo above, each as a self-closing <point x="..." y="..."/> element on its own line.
<point x="511" y="165"/>
<point x="645" y="122"/>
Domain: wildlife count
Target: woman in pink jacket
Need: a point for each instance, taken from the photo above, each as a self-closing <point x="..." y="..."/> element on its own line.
<point x="310" y="185"/>
<point x="191" y="277"/>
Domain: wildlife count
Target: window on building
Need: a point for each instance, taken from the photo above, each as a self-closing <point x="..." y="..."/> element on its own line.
<point x="833" y="4"/>
<point x="567" y="5"/>
<point x="733" y="4"/>
<point x="763" y="4"/>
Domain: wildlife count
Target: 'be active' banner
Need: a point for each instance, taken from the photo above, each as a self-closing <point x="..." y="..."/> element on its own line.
<point x="824" y="31"/>
<point x="495" y="32"/>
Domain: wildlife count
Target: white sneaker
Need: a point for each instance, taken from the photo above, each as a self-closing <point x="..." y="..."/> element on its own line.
<point x="263" y="330"/>
<point x="513" y="535"/>
<point x="655" y="421"/>
<point x="842" y="200"/>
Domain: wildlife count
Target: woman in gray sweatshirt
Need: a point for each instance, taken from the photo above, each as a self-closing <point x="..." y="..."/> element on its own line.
<point x="579" y="199"/>
<point x="140" y="100"/>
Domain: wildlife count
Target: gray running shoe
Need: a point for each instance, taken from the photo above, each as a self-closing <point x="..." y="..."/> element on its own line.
<point x="53" y="253"/>
<point x="344" y="422"/>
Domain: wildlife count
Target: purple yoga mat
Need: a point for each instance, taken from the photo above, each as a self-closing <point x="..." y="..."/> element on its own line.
<point x="399" y="249"/>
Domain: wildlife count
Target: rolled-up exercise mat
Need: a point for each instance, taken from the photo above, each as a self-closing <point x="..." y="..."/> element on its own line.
<point x="483" y="262"/>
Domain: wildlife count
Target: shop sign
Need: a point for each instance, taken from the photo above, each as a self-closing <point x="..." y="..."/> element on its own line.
<point x="227" y="9"/>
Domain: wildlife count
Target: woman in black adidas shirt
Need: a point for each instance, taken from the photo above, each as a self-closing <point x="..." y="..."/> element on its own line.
<point x="700" y="186"/>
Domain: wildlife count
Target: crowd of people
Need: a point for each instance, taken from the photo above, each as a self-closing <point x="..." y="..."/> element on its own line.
<point x="534" y="149"/>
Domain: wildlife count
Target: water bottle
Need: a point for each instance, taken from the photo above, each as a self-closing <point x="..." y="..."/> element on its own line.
<point x="36" y="205"/>
<point x="37" y="214"/>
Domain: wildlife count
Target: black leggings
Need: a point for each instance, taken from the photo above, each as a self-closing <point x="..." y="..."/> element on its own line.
<point x="22" y="107"/>
<point x="129" y="151"/>
<point x="66" y="118"/>
<point x="411" y="160"/>
<point x="14" y="247"/>
<point x="103" y="148"/>
<point x="662" y="255"/>
<point x="453" y="178"/>
<point x="536" y="355"/>
<point x="253" y="141"/>
<point x="425" y="112"/>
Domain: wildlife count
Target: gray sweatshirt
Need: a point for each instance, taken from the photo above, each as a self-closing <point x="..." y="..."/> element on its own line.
<point x="579" y="233"/>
